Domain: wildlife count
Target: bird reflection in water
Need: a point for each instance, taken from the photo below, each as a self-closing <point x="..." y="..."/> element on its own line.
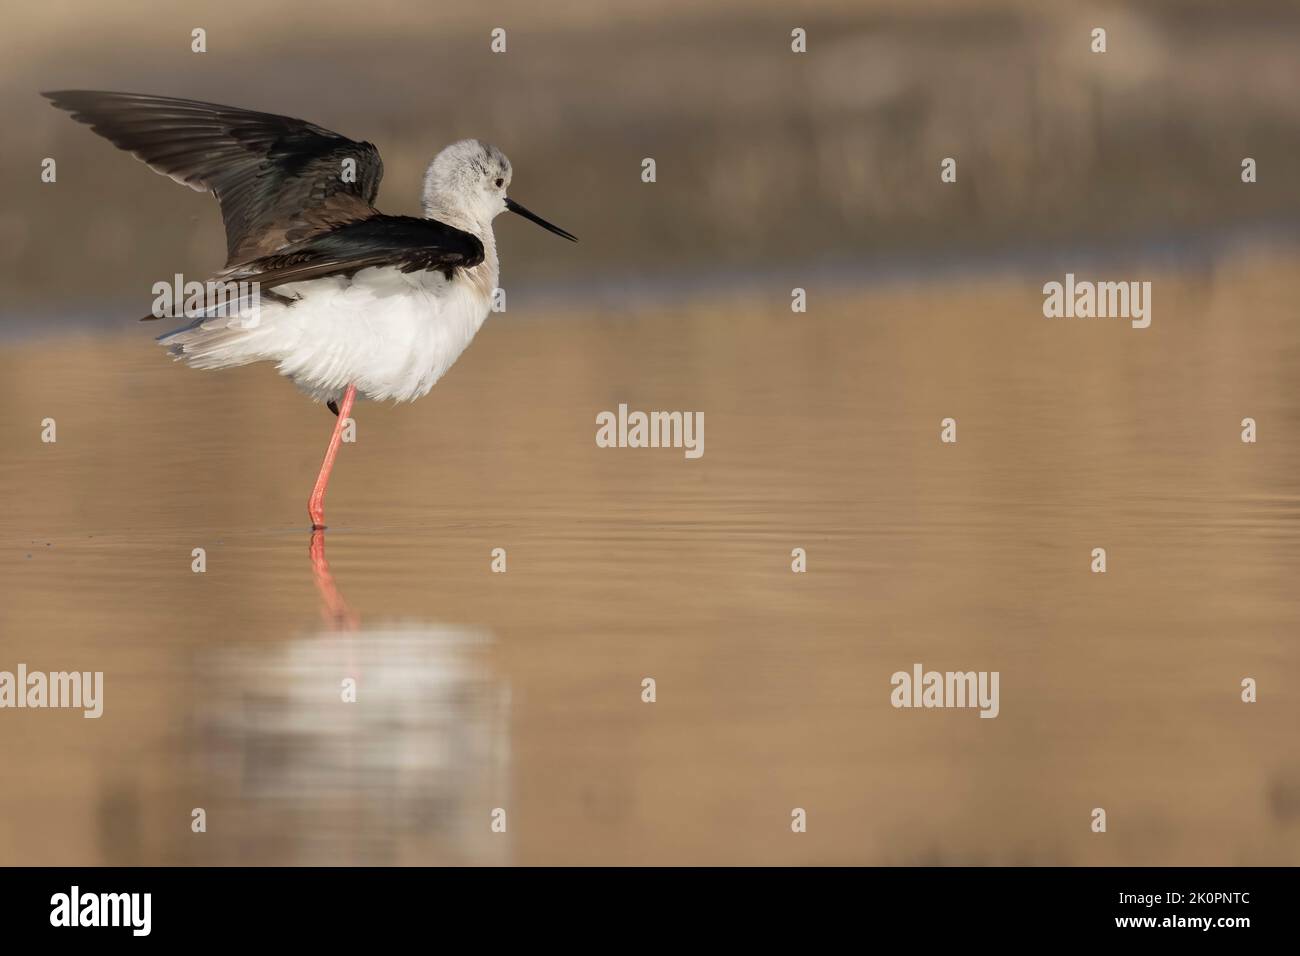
<point x="355" y="744"/>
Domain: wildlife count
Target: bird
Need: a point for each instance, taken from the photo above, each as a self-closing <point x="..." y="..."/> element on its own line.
<point x="346" y="300"/>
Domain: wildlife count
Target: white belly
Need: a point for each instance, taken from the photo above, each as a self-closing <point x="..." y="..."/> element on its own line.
<point x="390" y="334"/>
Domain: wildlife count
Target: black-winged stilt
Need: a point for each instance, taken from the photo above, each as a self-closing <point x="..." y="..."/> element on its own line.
<point x="363" y="302"/>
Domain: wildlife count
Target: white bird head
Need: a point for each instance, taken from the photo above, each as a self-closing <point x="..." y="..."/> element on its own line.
<point x="465" y="186"/>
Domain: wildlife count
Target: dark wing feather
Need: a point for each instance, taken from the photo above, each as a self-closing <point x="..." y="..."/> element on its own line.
<point x="278" y="180"/>
<point x="404" y="242"/>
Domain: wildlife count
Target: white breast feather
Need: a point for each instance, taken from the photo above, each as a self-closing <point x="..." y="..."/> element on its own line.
<point x="393" y="335"/>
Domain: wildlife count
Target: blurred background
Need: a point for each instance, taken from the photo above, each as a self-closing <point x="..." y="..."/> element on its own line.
<point x="521" y="691"/>
<point x="770" y="164"/>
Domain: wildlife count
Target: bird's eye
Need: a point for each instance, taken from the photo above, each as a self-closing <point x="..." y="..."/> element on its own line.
<point x="500" y="181"/>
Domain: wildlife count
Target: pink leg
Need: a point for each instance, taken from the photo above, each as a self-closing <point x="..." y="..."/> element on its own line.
<point x="316" y="504"/>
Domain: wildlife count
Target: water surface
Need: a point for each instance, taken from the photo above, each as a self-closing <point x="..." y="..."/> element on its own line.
<point x="522" y="691"/>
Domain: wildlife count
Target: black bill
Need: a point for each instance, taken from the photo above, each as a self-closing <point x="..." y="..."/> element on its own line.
<point x="521" y="211"/>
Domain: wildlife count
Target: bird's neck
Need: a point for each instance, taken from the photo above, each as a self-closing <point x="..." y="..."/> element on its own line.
<point x="490" y="265"/>
<point x="484" y="275"/>
<point x="452" y="215"/>
<point x="454" y="211"/>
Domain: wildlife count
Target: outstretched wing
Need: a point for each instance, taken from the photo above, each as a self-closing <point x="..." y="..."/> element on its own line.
<point x="402" y="242"/>
<point x="279" y="180"/>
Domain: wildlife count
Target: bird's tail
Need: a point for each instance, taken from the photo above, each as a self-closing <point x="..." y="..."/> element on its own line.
<point x="223" y="341"/>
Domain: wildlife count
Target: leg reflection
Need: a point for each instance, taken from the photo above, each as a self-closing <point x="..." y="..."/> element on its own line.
<point x="338" y="616"/>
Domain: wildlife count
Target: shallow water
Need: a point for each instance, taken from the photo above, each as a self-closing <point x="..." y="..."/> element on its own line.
<point x="522" y="691"/>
